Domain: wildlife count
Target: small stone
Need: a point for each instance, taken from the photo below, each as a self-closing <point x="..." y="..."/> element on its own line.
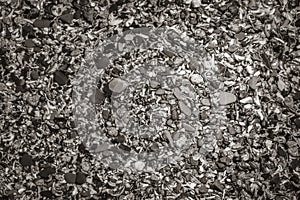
<point x="29" y="43"/>
<point x="253" y="82"/>
<point x="47" y="171"/>
<point x="233" y="48"/>
<point x="47" y="194"/>
<point x="227" y="98"/>
<point x="99" y="97"/>
<point x="297" y="123"/>
<point x="297" y="23"/>
<point x="154" y="84"/>
<point x="105" y="114"/>
<point x="246" y="100"/>
<point x="33" y="99"/>
<point x="34" y="75"/>
<point x="168" y="53"/>
<point x="67" y="18"/>
<point x="80" y="178"/>
<point x="154" y="147"/>
<point x="196" y="3"/>
<point x="205" y="102"/>
<point x="184" y="108"/>
<point x="196" y="79"/>
<point x="42" y="23"/>
<point x="112" y="131"/>
<point x="297" y="96"/>
<point x="203" y="189"/>
<point x="102" y="147"/>
<point x="70" y="178"/>
<point x="178" y="94"/>
<point x="240" y="36"/>
<point x="139" y="165"/>
<point x="61" y="78"/>
<point x="188" y="127"/>
<point x="217" y="185"/>
<point x="281" y="85"/>
<point x="26" y="160"/>
<point x="160" y="92"/>
<point x="117" y="85"/>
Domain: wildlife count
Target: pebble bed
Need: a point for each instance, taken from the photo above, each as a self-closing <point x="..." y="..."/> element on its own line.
<point x="253" y="152"/>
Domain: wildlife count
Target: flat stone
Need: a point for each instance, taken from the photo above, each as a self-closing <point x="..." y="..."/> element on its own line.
<point x="160" y="92"/>
<point x="240" y="36"/>
<point x="26" y="160"/>
<point x="48" y="194"/>
<point x="61" y="78"/>
<point x="105" y="114"/>
<point x="29" y="43"/>
<point x="246" y="100"/>
<point x="169" y="53"/>
<point x="33" y="99"/>
<point x="70" y="177"/>
<point x="205" y="102"/>
<point x="34" y="75"/>
<point x="178" y="94"/>
<point x="154" y="147"/>
<point x="253" y="82"/>
<point x="99" y="97"/>
<point x="47" y="171"/>
<point x="117" y="85"/>
<point x="42" y="23"/>
<point x="174" y="115"/>
<point x="196" y="79"/>
<point x="184" y="108"/>
<point x="297" y="122"/>
<point x="203" y="189"/>
<point x="227" y="98"/>
<point x="67" y="18"/>
<point x="139" y="165"/>
<point x="217" y="185"/>
<point x="80" y="178"/>
<point x="297" y="96"/>
<point x="102" y="147"/>
<point x="188" y="127"/>
<point x="112" y="131"/>
<point x="154" y="84"/>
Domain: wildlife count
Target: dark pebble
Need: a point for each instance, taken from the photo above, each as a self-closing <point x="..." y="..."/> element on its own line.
<point x="67" y="18"/>
<point x="80" y="178"/>
<point x="29" y="43"/>
<point x="47" y="171"/>
<point x="124" y="147"/>
<point x="26" y="160"/>
<point x="70" y="178"/>
<point x="34" y="75"/>
<point x="105" y="114"/>
<point x="168" y="53"/>
<point x="99" y="97"/>
<point x="217" y="185"/>
<point x="47" y="194"/>
<point x="203" y="189"/>
<point x="297" y="23"/>
<point x="297" y="122"/>
<point x="295" y="163"/>
<point x="281" y="151"/>
<point x="275" y="179"/>
<point x="203" y="180"/>
<point x="297" y="96"/>
<point x="42" y="23"/>
<point x="61" y="78"/>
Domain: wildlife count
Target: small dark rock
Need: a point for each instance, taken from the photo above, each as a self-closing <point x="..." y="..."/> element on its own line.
<point x="297" y="96"/>
<point x="61" y="78"/>
<point x="99" y="98"/>
<point x="34" y="75"/>
<point x="29" y="43"/>
<point x="275" y="179"/>
<point x="47" y="171"/>
<point x="80" y="178"/>
<point x="203" y="180"/>
<point x="169" y="53"/>
<point x="47" y="194"/>
<point x="42" y="23"/>
<point x="297" y="23"/>
<point x="70" y="177"/>
<point x="217" y="185"/>
<point x="26" y="160"/>
<point x="295" y="163"/>
<point x="105" y="114"/>
<point x="67" y="18"/>
<point x="125" y="147"/>
<point x="297" y="123"/>
<point x="203" y="189"/>
<point x="281" y="151"/>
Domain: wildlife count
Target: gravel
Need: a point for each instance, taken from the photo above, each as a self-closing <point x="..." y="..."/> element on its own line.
<point x="240" y="125"/>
